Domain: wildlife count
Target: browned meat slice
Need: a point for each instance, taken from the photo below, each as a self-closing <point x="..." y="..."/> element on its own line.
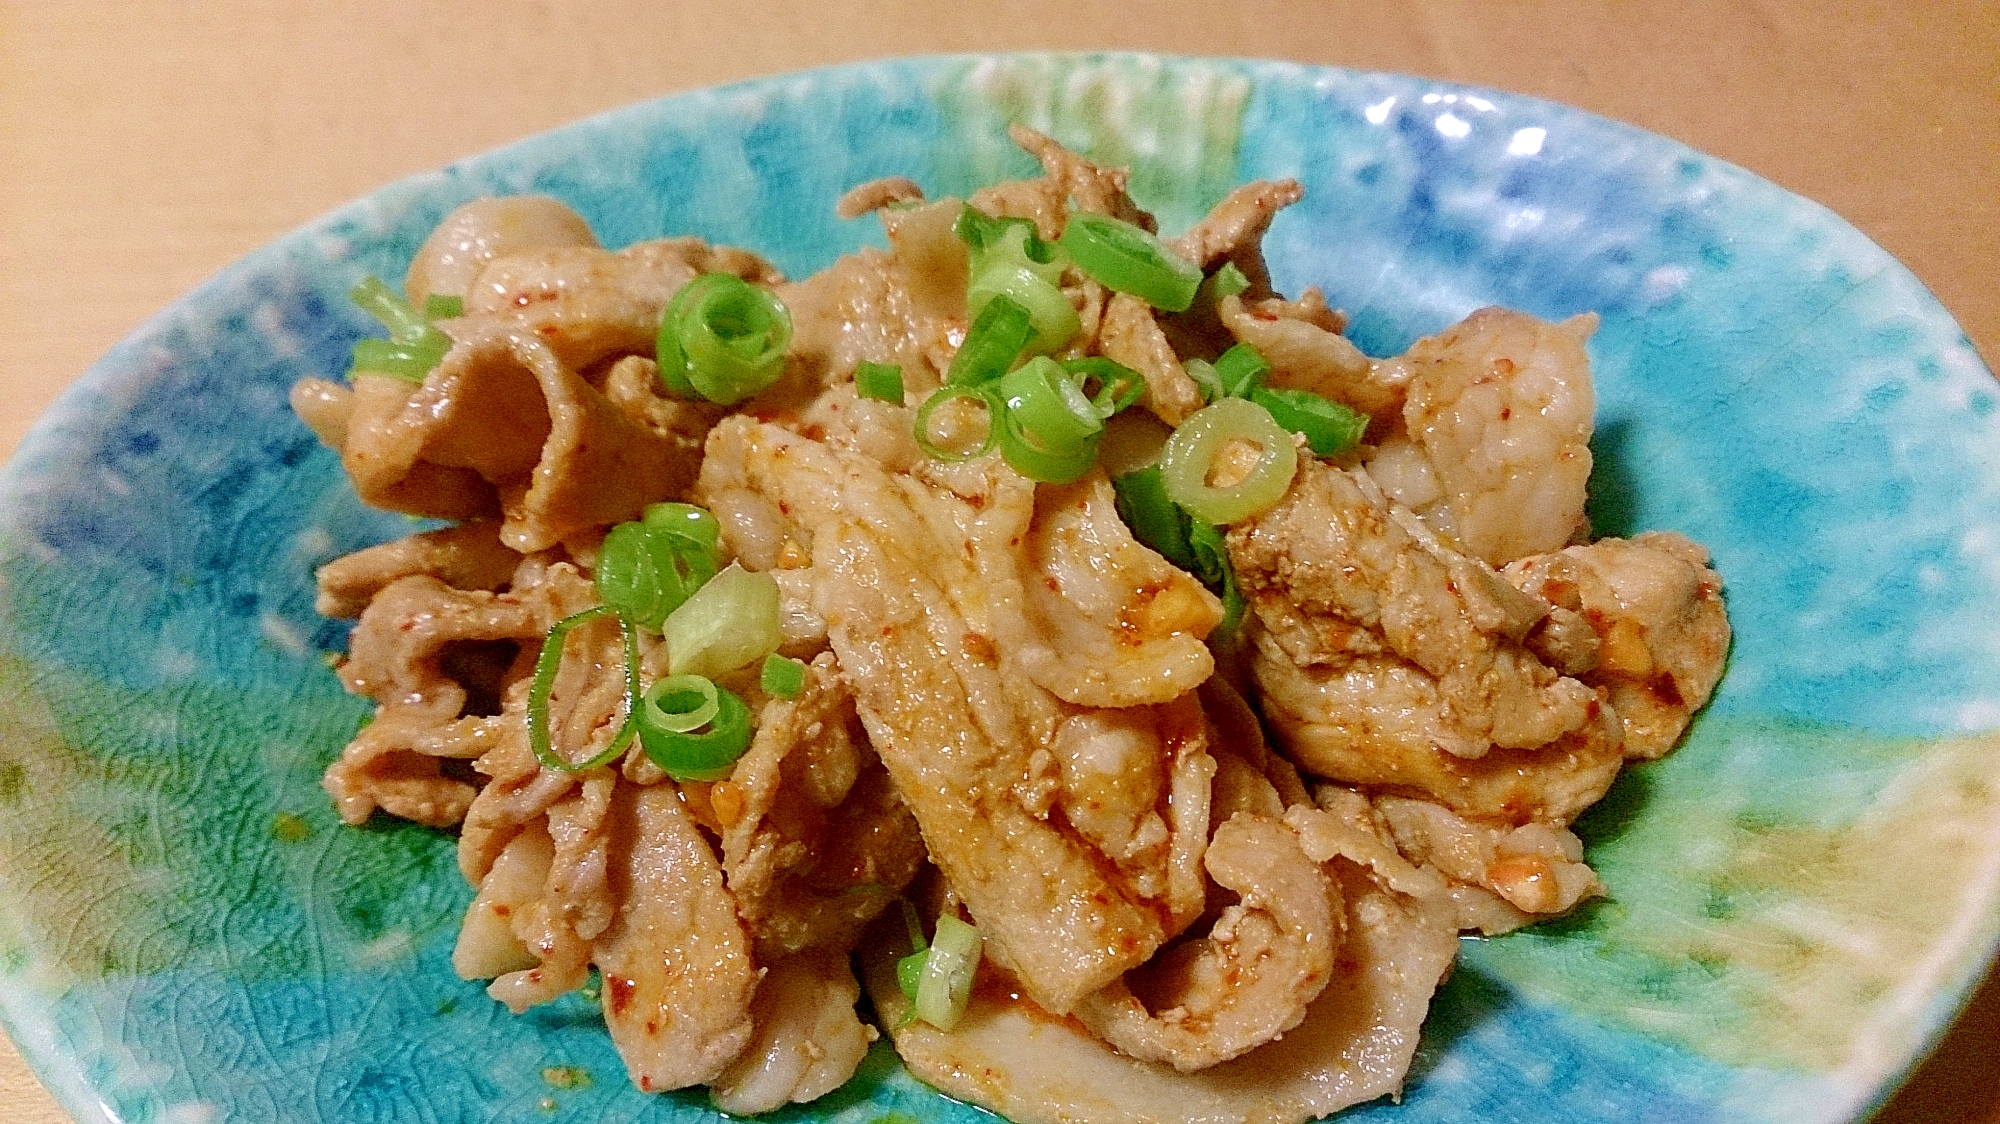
<point x="1234" y="230"/>
<point x="588" y="305"/>
<point x="911" y="576"/>
<point x="1387" y="659"/>
<point x="1130" y="335"/>
<point x="468" y="556"/>
<point x="815" y="840"/>
<point x="421" y="650"/>
<point x="862" y="308"/>
<point x="1335" y="575"/>
<point x="1303" y="344"/>
<point x="1655" y="610"/>
<point x="1495" y="447"/>
<point x="1354" y="1044"/>
<point x="576" y="902"/>
<point x="1536" y="870"/>
<point x="678" y="973"/>
<point x="876" y="195"/>
<point x="1090" y="187"/>
<point x="808" y="1040"/>
<point x="1250" y="979"/>
<point x="503" y="427"/>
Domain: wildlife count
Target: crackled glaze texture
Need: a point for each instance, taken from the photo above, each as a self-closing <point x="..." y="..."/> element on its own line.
<point x="1800" y="896"/>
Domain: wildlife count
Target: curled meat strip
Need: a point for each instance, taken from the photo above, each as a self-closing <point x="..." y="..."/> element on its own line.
<point x="1533" y="870"/>
<point x="1387" y="659"/>
<point x="807" y="1040"/>
<point x="815" y="842"/>
<point x="678" y="972"/>
<point x="1354" y="1043"/>
<point x="1658" y="635"/>
<point x="1251" y="978"/>
<point x="1301" y="340"/>
<point x="1495" y="448"/>
<point x="476" y="233"/>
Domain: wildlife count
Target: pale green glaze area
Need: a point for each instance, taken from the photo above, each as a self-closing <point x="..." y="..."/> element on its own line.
<point x="1773" y="886"/>
<point x="1177" y="132"/>
<point x="205" y="843"/>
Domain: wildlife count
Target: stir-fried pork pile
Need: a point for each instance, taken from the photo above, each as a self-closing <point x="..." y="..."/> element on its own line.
<point x="1218" y="870"/>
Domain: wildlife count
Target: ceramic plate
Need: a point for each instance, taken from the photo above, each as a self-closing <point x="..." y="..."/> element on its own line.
<point x="1801" y="896"/>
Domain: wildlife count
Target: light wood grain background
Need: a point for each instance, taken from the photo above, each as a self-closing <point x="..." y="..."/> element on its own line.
<point x="143" y="146"/>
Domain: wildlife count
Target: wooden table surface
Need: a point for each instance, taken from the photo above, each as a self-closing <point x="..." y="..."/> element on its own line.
<point x="144" y="146"/>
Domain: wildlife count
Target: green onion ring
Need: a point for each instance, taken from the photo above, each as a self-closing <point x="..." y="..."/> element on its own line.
<point x="992" y="343"/>
<point x="782" y="677"/>
<point x="648" y="568"/>
<point x="1036" y="461"/>
<point x="1049" y="404"/>
<point x="1212" y="566"/>
<point x="700" y="755"/>
<point x="985" y="395"/>
<point x="550" y="662"/>
<point x="724" y="338"/>
<point x="945" y="988"/>
<point x="1190" y="454"/>
<point x="1241" y="370"/>
<point x="1156" y="521"/>
<point x="1050" y="430"/>
<point x="654" y="712"/>
<point x="414" y="347"/>
<point x="1204" y="376"/>
<point x="1053" y="321"/>
<point x="1118" y="386"/>
<point x="1127" y="259"/>
<point x="405" y="324"/>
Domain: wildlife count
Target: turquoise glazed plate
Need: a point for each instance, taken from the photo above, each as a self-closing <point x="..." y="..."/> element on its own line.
<point x="1801" y="896"/>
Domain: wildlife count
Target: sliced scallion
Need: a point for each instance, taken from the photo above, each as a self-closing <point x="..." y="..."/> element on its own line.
<point x="1212" y="566"/>
<point x="409" y="362"/>
<point x="880" y="381"/>
<point x="685" y="520"/>
<point x="1052" y="319"/>
<point x="1127" y="259"/>
<point x="680" y="704"/>
<point x="1204" y="376"/>
<point x="1156" y="521"/>
<point x="722" y="338"/>
<point x="994" y="340"/>
<point x="1226" y="281"/>
<point x="705" y="751"/>
<point x="1241" y="370"/>
<point x="1007" y="257"/>
<point x="1110" y="386"/>
<point x="549" y="662"/>
<point x="782" y="677"/>
<point x="730" y="622"/>
<point x="1050" y="429"/>
<point x="1329" y="427"/>
<point x="956" y="444"/>
<point x="945" y="988"/>
<point x="1189" y="461"/>
<point x="647" y="568"/>
<point x="414" y="346"/>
